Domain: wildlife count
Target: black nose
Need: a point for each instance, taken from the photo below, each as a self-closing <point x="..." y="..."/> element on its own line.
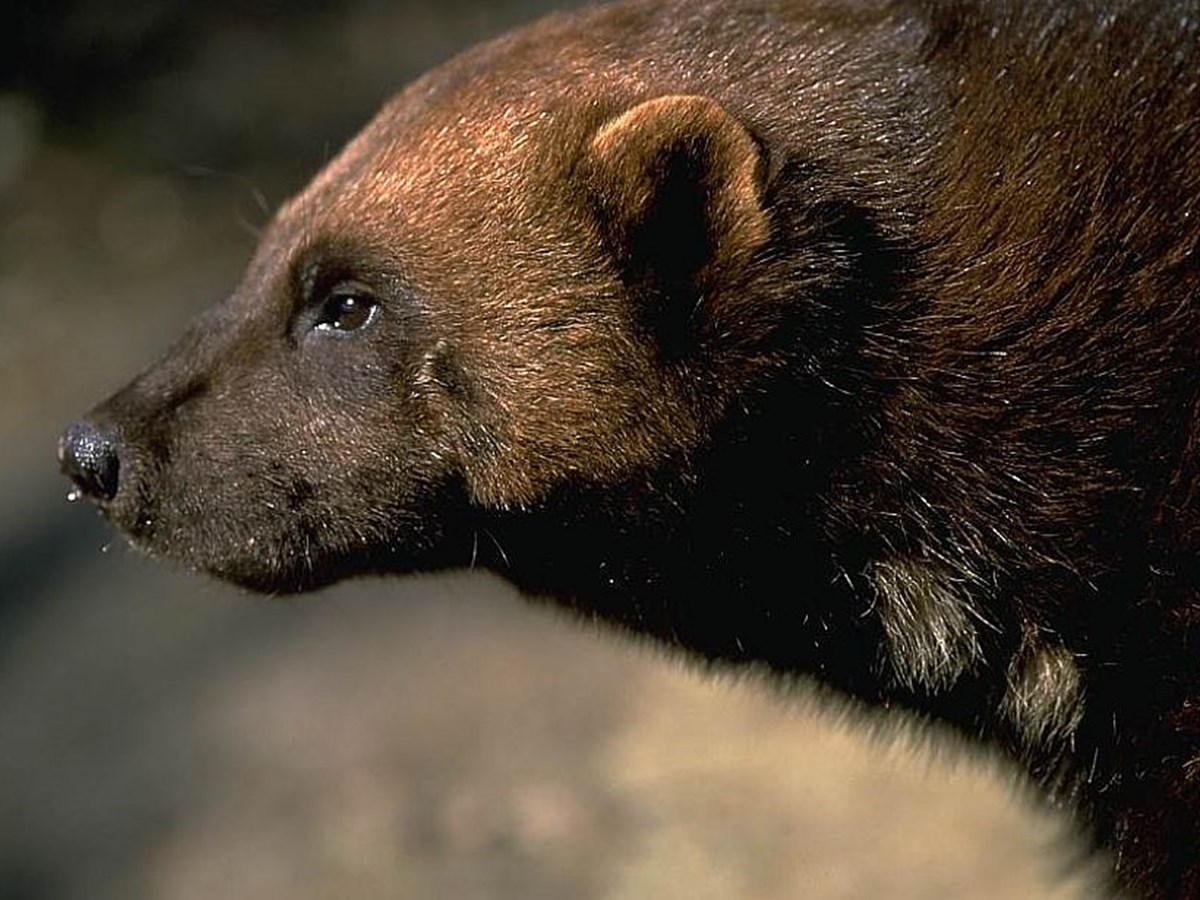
<point x="88" y="455"/>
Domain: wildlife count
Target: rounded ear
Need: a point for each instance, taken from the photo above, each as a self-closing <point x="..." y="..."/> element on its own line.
<point x="679" y="184"/>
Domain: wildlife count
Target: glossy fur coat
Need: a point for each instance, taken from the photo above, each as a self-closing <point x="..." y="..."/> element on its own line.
<point x="856" y="338"/>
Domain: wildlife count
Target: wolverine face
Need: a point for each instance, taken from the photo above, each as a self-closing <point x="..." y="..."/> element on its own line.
<point x="290" y="434"/>
<point x="487" y="298"/>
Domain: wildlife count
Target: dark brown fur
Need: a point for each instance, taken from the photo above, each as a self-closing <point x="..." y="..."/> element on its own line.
<point x="892" y="302"/>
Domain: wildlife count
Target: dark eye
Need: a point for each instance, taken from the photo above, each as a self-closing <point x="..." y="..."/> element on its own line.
<point x="346" y="310"/>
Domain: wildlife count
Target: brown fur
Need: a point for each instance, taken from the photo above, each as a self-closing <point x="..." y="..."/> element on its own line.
<point x="674" y="302"/>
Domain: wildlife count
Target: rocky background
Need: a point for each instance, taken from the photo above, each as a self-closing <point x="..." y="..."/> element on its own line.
<point x="163" y="736"/>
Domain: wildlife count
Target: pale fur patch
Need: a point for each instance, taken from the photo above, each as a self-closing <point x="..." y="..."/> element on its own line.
<point x="929" y="622"/>
<point x="1045" y="697"/>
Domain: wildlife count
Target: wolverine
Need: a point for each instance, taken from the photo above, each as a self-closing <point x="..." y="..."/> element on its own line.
<point x="853" y="338"/>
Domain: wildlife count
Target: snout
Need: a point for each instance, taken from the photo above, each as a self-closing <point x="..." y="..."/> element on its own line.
<point x="90" y="456"/>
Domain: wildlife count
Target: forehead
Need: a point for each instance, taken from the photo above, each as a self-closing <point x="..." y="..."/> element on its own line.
<point x="491" y="131"/>
<point x="473" y="163"/>
<point x="440" y="179"/>
<point x="492" y="125"/>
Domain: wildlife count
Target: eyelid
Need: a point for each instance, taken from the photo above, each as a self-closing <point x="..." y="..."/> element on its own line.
<point x="323" y="270"/>
<point x="317" y="278"/>
<point x="307" y="279"/>
<point x="341" y="286"/>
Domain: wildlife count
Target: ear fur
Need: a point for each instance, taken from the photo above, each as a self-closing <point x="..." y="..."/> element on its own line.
<point x="679" y="183"/>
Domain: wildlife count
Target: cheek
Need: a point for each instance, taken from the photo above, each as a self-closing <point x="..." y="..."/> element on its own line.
<point x="589" y="404"/>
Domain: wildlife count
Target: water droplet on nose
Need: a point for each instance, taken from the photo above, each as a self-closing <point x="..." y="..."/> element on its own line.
<point x="74" y="495"/>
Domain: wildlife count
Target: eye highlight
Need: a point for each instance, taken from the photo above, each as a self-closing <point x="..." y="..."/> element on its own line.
<point x="347" y="308"/>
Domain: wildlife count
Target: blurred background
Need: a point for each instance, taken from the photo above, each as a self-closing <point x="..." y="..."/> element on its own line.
<point x="163" y="736"/>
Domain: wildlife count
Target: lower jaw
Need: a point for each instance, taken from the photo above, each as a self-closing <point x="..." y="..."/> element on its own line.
<point x="311" y="574"/>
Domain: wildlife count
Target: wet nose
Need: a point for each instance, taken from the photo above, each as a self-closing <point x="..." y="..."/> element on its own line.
<point x="88" y="455"/>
